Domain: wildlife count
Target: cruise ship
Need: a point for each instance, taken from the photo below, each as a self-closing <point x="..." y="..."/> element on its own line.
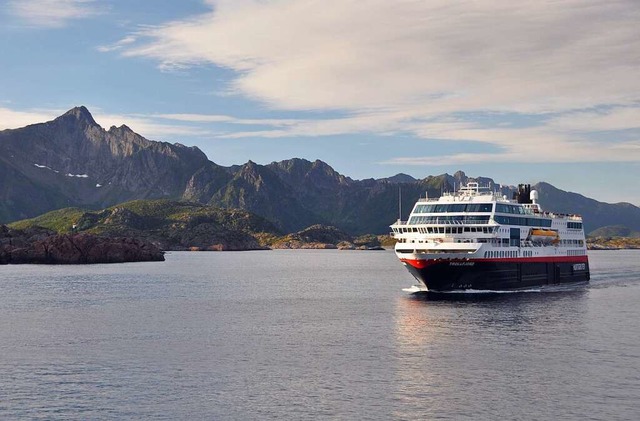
<point x="477" y="239"/>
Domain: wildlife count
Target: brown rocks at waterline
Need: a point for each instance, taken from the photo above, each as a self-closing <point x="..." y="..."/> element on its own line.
<point x="46" y="247"/>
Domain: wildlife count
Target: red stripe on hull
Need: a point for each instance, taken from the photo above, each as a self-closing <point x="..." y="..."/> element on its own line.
<point x="423" y="263"/>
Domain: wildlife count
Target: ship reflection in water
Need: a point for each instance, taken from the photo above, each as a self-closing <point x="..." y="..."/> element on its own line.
<point x="461" y="351"/>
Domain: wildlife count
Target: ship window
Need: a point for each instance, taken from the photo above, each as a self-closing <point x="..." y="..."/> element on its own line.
<point x="512" y="209"/>
<point x="479" y="207"/>
<point x="514" y="237"/>
<point x="502" y="208"/>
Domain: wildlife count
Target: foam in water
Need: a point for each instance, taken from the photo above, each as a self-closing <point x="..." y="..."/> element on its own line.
<point x="415" y="289"/>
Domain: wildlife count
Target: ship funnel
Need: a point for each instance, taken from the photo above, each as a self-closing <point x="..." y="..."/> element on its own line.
<point x="523" y="194"/>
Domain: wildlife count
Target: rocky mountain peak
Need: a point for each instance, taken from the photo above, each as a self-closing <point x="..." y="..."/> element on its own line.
<point x="81" y="114"/>
<point x="460" y="176"/>
<point x="251" y="172"/>
<point x="123" y="128"/>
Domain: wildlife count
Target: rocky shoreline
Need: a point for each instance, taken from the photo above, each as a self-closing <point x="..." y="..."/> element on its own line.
<point x="41" y="246"/>
<point x="613" y="243"/>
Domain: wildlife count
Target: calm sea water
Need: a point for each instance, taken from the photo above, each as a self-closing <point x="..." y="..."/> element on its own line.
<point x="312" y="335"/>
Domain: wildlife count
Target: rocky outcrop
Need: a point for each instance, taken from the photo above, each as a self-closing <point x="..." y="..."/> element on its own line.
<point x="313" y="237"/>
<point x="326" y="237"/>
<point x="45" y="247"/>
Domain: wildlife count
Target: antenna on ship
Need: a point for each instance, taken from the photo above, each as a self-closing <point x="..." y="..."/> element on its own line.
<point x="399" y="203"/>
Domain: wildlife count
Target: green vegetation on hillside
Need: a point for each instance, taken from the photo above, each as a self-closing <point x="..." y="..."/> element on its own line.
<point x="169" y="224"/>
<point x="173" y="225"/>
<point x="614" y="231"/>
<point x="61" y="220"/>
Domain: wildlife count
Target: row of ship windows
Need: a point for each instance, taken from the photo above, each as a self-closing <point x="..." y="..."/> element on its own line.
<point x="452" y="219"/>
<point x="572" y="243"/>
<point x="455" y="207"/>
<point x="445" y="230"/>
<point x="496" y="242"/>
<point x="574" y="225"/>
<point x="502" y="208"/>
<point x="505" y="253"/>
<point x="470" y="208"/>
<point x="480" y="219"/>
<point x="576" y="253"/>
<point x="527" y="222"/>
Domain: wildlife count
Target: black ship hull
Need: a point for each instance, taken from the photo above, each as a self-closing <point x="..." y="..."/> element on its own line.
<point x="443" y="275"/>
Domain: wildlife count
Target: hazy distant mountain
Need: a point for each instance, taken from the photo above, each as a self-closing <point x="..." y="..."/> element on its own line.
<point x="595" y="214"/>
<point x="615" y="231"/>
<point x="399" y="178"/>
<point x="72" y="161"/>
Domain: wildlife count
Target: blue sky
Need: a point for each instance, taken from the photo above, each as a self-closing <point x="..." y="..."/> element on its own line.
<point x="547" y="91"/>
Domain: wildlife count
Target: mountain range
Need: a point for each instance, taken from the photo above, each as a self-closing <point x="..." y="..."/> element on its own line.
<point x="72" y="161"/>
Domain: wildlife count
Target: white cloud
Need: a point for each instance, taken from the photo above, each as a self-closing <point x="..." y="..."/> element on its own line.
<point x="617" y="118"/>
<point x="12" y="119"/>
<point x="52" y="13"/>
<point x="216" y="118"/>
<point x="354" y="55"/>
<point x="118" y="45"/>
<point x="148" y="126"/>
<point x="424" y="69"/>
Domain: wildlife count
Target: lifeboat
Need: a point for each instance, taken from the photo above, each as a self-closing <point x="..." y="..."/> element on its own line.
<point x="543" y="235"/>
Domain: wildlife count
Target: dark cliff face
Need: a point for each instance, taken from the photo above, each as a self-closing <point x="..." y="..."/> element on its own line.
<point x="259" y="190"/>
